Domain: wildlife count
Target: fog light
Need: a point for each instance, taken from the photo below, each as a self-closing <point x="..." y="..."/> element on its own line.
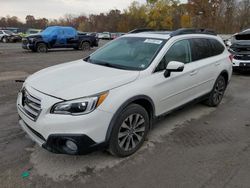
<point x="71" y="145"/>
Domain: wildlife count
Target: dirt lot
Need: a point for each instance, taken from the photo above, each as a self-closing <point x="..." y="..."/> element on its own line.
<point x="193" y="147"/>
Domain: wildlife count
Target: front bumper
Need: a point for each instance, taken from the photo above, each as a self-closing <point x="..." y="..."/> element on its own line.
<point x="28" y="46"/>
<point x="243" y="65"/>
<point x="56" y="142"/>
<point x="14" y="38"/>
<point x="52" y="130"/>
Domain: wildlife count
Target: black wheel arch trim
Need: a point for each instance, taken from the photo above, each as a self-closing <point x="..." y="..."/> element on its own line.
<point x="39" y="42"/>
<point x="225" y="72"/>
<point x="121" y="108"/>
<point x="85" y="40"/>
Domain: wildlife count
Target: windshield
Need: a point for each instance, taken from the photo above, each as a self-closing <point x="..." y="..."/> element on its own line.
<point x="33" y="32"/>
<point x="8" y="32"/>
<point x="130" y="53"/>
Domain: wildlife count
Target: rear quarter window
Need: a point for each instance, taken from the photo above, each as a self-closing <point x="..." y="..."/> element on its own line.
<point x="203" y="48"/>
<point x="216" y="47"/>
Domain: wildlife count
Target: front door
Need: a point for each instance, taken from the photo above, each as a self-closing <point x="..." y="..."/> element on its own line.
<point x="179" y="87"/>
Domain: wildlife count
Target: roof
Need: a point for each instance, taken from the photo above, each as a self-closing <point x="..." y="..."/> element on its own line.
<point x="59" y="27"/>
<point x="149" y="35"/>
<point x="169" y="34"/>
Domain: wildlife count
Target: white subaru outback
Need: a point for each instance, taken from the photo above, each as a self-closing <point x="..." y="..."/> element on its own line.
<point x="110" y="99"/>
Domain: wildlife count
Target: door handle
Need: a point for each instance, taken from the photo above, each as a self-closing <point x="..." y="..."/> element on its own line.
<point x="217" y="63"/>
<point x="193" y="72"/>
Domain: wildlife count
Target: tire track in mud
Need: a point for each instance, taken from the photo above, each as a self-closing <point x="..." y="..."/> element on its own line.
<point x="222" y="177"/>
<point x="193" y="138"/>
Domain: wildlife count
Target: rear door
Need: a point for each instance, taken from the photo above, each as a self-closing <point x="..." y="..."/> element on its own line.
<point x="206" y="63"/>
<point x="71" y="37"/>
<point x="61" y="38"/>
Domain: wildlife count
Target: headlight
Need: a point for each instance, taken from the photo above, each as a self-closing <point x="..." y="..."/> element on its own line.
<point x="79" y="106"/>
<point x="31" y="40"/>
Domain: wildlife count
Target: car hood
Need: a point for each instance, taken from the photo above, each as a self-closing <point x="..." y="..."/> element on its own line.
<point x="34" y="36"/>
<point x="79" y="79"/>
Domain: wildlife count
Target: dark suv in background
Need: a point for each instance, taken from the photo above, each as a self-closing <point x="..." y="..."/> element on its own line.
<point x="59" y="37"/>
<point x="240" y="50"/>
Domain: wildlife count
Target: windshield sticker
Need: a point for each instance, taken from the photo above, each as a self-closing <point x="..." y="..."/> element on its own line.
<point x="142" y="66"/>
<point x="153" y="41"/>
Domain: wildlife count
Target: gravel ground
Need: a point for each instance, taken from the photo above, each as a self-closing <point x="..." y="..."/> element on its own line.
<point x="193" y="147"/>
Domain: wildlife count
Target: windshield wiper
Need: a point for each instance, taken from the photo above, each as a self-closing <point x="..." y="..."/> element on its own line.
<point x="107" y="64"/>
<point x="112" y="65"/>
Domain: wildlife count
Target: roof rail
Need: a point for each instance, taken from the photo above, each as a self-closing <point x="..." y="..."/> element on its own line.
<point x="185" y="31"/>
<point x="139" y="30"/>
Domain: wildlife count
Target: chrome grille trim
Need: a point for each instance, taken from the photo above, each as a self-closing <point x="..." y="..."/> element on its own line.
<point x="31" y="105"/>
<point x="26" y="107"/>
<point x="33" y="99"/>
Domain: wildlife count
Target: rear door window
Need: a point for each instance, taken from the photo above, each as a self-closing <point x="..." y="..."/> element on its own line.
<point x="200" y="48"/>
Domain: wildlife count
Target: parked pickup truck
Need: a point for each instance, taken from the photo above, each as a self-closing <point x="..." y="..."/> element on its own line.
<point x="58" y="37"/>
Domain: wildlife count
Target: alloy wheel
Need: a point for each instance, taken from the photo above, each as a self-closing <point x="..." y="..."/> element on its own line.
<point x="42" y="49"/>
<point x="219" y="91"/>
<point x="131" y="132"/>
<point x="85" y="46"/>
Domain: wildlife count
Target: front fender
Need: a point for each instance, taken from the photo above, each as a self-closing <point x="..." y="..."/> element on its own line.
<point x="121" y="108"/>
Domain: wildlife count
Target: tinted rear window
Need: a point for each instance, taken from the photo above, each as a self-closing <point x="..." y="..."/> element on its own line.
<point x="204" y="48"/>
<point x="216" y="47"/>
<point x="200" y="49"/>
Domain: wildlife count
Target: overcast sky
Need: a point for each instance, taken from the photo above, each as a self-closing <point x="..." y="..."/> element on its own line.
<point x="58" y="8"/>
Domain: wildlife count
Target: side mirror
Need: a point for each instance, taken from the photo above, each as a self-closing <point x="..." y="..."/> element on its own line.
<point x="173" y="66"/>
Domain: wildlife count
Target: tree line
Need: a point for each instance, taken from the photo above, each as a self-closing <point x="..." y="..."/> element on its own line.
<point x="223" y="16"/>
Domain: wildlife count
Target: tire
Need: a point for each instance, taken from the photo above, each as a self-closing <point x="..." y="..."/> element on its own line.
<point x="41" y="48"/>
<point x="129" y="131"/>
<point x="217" y="93"/>
<point x="85" y="46"/>
<point x="4" y="39"/>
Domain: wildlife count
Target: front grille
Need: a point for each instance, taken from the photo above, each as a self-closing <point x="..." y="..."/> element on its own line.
<point x="25" y="41"/>
<point x="31" y="105"/>
<point x="242" y="57"/>
<point x="245" y="65"/>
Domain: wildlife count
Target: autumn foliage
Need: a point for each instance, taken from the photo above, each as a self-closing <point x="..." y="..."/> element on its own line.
<point x="223" y="16"/>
